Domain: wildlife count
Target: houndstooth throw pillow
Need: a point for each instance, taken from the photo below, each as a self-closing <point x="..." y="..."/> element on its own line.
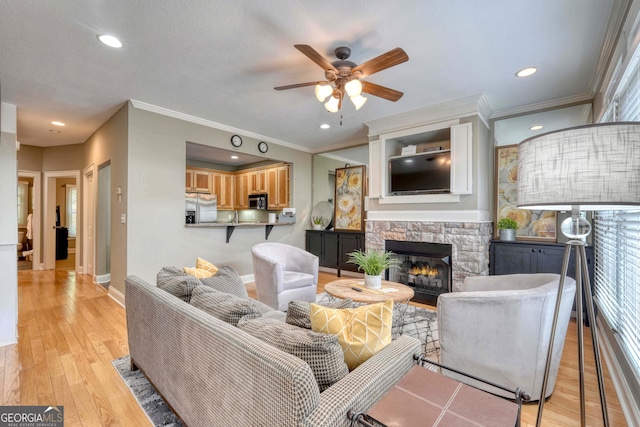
<point x="322" y="352"/>
<point x="226" y="280"/>
<point x="226" y="307"/>
<point x="177" y="282"/>
<point x="298" y="312"/>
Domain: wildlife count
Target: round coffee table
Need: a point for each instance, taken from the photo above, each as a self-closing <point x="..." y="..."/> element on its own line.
<point x="344" y="288"/>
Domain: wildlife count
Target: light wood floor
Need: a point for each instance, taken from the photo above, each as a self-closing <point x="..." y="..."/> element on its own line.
<point x="70" y="331"/>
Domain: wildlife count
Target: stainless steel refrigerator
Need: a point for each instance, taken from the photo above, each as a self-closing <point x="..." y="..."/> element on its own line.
<point x="201" y="208"/>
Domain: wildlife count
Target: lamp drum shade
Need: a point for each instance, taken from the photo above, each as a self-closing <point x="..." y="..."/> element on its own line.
<point x="593" y="167"/>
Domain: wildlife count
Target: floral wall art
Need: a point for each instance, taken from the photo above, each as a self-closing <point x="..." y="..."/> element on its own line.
<point x="349" y="200"/>
<point x="532" y="225"/>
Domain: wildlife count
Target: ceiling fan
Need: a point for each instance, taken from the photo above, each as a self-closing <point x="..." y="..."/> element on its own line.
<point x="344" y="76"/>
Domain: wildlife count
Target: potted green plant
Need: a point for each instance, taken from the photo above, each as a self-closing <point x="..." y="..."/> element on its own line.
<point x="373" y="264"/>
<point x="317" y="221"/>
<point x="507" y="229"/>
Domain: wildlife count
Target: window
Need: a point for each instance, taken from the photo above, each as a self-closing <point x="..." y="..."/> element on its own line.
<point x="72" y="204"/>
<point x="617" y="240"/>
<point x="617" y="276"/>
<point x="23" y="203"/>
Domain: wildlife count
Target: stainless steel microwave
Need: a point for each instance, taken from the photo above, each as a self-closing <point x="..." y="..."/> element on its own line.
<point x="258" y="201"/>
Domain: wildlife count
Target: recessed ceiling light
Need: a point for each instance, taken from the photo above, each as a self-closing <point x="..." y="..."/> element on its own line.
<point x="55" y="131"/>
<point x="325" y="126"/>
<point x="110" y="41"/>
<point x="536" y="127"/>
<point x="234" y="157"/>
<point x="526" y="72"/>
<point x="57" y="123"/>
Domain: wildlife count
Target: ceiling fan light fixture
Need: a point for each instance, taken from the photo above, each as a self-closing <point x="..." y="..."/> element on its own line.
<point x="323" y="91"/>
<point x="332" y="105"/>
<point x="358" y="101"/>
<point x="353" y="87"/>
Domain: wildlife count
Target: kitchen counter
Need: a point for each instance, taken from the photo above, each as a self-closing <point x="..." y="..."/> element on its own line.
<point x="231" y="226"/>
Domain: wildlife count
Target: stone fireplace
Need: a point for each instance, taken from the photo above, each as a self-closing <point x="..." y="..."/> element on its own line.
<point x="423" y="266"/>
<point x="469" y="242"/>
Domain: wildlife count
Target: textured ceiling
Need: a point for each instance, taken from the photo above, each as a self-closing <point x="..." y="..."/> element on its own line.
<point x="219" y="61"/>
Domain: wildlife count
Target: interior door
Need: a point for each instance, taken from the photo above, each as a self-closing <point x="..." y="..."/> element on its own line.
<point x="50" y="224"/>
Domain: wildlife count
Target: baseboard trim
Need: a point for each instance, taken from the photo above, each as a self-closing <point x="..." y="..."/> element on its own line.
<point x="628" y="404"/>
<point x="342" y="272"/>
<point x="117" y="296"/>
<point x="103" y="278"/>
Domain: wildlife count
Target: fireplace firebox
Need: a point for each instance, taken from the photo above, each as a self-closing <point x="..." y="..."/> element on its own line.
<point x="425" y="267"/>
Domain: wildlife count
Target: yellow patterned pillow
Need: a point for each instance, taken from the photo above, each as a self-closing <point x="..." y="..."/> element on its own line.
<point x="197" y="272"/>
<point x="206" y="265"/>
<point x="361" y="331"/>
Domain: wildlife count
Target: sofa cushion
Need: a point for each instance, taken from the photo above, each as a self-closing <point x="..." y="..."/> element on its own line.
<point x="227" y="280"/>
<point x="198" y="273"/>
<point x="298" y="312"/>
<point x="226" y="307"/>
<point x="361" y="331"/>
<point x="295" y="280"/>
<point x="177" y="282"/>
<point x="322" y="352"/>
<point x="206" y="265"/>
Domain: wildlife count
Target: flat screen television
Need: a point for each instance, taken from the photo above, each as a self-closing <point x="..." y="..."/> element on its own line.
<point x="421" y="173"/>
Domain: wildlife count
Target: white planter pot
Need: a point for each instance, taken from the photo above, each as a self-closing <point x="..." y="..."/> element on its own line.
<point x="373" y="282"/>
<point x="317" y="226"/>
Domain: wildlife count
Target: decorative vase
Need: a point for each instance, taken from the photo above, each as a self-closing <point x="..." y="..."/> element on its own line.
<point x="507" y="234"/>
<point x="317" y="226"/>
<point x="373" y="282"/>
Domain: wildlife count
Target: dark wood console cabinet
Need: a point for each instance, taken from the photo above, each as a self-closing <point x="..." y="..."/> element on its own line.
<point x="530" y="257"/>
<point x="333" y="247"/>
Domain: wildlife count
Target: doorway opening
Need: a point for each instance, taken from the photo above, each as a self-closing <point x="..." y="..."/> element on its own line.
<point x="61" y="209"/>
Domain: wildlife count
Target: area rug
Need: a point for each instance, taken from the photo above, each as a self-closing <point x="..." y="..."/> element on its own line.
<point x="148" y="398"/>
<point x="418" y="322"/>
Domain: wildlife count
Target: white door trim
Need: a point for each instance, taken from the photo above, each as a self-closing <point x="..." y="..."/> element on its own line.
<point x="89" y="202"/>
<point x="48" y="224"/>
<point x="37" y="214"/>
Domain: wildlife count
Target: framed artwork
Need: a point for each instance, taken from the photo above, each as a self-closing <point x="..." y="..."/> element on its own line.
<point x="532" y="224"/>
<point x="349" y="199"/>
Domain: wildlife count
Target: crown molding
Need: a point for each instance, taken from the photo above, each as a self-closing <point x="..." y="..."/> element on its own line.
<point x="546" y="105"/>
<point x="475" y="105"/>
<point x="615" y="27"/>
<point x="214" y="125"/>
<point x="341" y="145"/>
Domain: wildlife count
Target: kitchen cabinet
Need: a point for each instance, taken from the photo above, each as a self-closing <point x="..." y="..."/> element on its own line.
<point x="258" y="182"/>
<point x="198" y="181"/>
<point x="278" y="187"/>
<point x="223" y="187"/>
<point x="333" y="248"/>
<point x="242" y="191"/>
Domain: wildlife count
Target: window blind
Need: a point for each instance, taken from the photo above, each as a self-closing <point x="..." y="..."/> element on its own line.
<point x="72" y="202"/>
<point x="617" y="276"/>
<point x="617" y="240"/>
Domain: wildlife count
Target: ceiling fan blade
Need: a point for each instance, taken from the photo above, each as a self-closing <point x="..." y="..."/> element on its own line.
<point x="311" y="53"/>
<point x="298" y="85"/>
<point x="386" y="60"/>
<point x="381" y="91"/>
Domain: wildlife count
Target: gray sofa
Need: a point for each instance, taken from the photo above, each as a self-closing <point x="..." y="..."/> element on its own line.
<point x="214" y="374"/>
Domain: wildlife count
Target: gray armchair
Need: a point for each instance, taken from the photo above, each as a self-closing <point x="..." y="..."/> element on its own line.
<point x="498" y="329"/>
<point x="284" y="273"/>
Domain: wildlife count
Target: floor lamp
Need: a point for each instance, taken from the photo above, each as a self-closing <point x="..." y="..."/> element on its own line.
<point x="593" y="167"/>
